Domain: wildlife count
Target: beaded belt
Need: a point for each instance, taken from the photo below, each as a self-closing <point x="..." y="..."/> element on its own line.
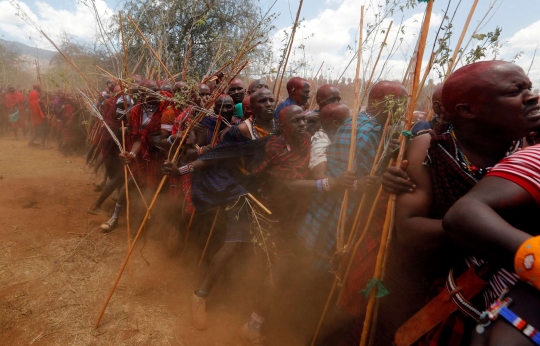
<point x="457" y="298"/>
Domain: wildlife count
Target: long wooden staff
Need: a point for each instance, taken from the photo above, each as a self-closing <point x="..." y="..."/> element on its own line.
<point x="151" y="49"/>
<point x="352" y="150"/>
<point x="315" y="86"/>
<point x="126" y="184"/>
<point x="389" y="215"/>
<point x="453" y="61"/>
<point x="160" y="186"/>
<point x="209" y="236"/>
<point x="284" y="68"/>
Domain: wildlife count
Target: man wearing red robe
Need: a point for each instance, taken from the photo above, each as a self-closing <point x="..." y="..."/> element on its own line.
<point x="37" y="117"/>
<point x="15" y="108"/>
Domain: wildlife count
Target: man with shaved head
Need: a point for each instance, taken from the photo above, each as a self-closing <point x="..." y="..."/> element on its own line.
<point x="489" y="109"/>
<point x="326" y="95"/>
<point x="318" y="231"/>
<point x="298" y="90"/>
<point x="256" y="85"/>
<point x="237" y="91"/>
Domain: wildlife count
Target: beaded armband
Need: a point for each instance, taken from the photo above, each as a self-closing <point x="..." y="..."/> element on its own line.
<point x="170" y="140"/>
<point x="186" y="169"/>
<point x="319" y="185"/>
<point x="326" y="185"/>
<point x="527" y="261"/>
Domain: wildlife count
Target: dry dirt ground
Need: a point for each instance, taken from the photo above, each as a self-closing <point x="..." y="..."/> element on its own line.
<point x="56" y="268"/>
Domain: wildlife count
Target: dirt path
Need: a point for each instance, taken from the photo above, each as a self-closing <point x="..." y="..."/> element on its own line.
<point x="56" y="267"/>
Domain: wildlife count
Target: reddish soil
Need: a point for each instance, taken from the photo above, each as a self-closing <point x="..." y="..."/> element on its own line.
<point x="56" y="268"/>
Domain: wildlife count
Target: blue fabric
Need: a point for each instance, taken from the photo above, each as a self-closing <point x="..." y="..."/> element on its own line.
<point x="286" y="103"/>
<point x="217" y="185"/>
<point x="420" y="126"/>
<point x="318" y="232"/>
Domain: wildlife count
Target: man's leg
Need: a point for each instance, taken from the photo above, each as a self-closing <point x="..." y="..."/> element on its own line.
<point x="198" y="299"/>
<point x="113" y="169"/>
<point x="110" y="224"/>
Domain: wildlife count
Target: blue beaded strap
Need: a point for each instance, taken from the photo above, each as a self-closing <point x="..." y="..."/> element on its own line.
<point x="500" y="308"/>
<point x="520" y="324"/>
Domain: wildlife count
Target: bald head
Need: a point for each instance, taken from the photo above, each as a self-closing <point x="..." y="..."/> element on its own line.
<point x="224" y="106"/>
<point x="292" y="124"/>
<point x="298" y="89"/>
<point x="385" y="88"/>
<point x="327" y="94"/>
<point x="200" y="94"/>
<point x="378" y="96"/>
<point x="237" y="90"/>
<point x="333" y="116"/>
<point x="246" y="107"/>
<point x="256" y="85"/>
<point x="471" y="83"/>
<point x="492" y="99"/>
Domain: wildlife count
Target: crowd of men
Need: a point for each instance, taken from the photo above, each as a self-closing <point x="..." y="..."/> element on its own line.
<point x="463" y="261"/>
<point x="46" y="118"/>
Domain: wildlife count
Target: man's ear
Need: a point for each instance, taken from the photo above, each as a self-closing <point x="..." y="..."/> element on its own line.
<point x="464" y="110"/>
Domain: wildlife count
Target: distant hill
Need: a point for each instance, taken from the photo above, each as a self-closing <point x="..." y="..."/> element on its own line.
<point x="33" y="52"/>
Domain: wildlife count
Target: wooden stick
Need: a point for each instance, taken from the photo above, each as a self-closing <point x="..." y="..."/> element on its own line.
<point x="452" y="62"/>
<point x="215" y="73"/>
<point x="209" y="236"/>
<point x="378" y="266"/>
<point x="343" y="213"/>
<point x="352" y="234"/>
<point x="426" y="73"/>
<point x="288" y="50"/>
<point x="352" y="147"/>
<point x="316" y="85"/>
<point x="216" y="130"/>
<point x="189" y="226"/>
<point x="123" y="45"/>
<point x="386" y="229"/>
<point x="151" y="49"/>
<point x="259" y="204"/>
<point x="126" y="185"/>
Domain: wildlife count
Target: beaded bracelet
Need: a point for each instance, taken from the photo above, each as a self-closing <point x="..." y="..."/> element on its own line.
<point x="200" y="151"/>
<point x="169" y="140"/>
<point x="355" y="185"/>
<point x="527" y="267"/>
<point x="186" y="169"/>
<point x="326" y="185"/>
<point x="319" y="185"/>
<point x="132" y="154"/>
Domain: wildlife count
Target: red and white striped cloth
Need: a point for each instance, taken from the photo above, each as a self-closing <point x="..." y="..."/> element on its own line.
<point x="522" y="168"/>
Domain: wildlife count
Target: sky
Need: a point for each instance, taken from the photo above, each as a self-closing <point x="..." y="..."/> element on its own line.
<point x="328" y="28"/>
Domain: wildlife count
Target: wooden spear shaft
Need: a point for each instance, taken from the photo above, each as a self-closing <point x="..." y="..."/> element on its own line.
<point x="289" y="49"/>
<point x="151" y="49"/>
<point x="316" y="84"/>
<point x="126" y="184"/>
<point x="386" y="229"/>
<point x="452" y="62"/>
<point x="352" y="150"/>
<point x="209" y="237"/>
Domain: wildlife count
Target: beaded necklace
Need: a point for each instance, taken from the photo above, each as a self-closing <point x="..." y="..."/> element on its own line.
<point x="256" y="134"/>
<point x="473" y="170"/>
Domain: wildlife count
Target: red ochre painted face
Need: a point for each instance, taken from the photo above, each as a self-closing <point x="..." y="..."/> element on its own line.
<point x="497" y="94"/>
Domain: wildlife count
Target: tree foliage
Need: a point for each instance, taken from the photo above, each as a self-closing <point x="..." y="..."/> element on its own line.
<point x="215" y="29"/>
